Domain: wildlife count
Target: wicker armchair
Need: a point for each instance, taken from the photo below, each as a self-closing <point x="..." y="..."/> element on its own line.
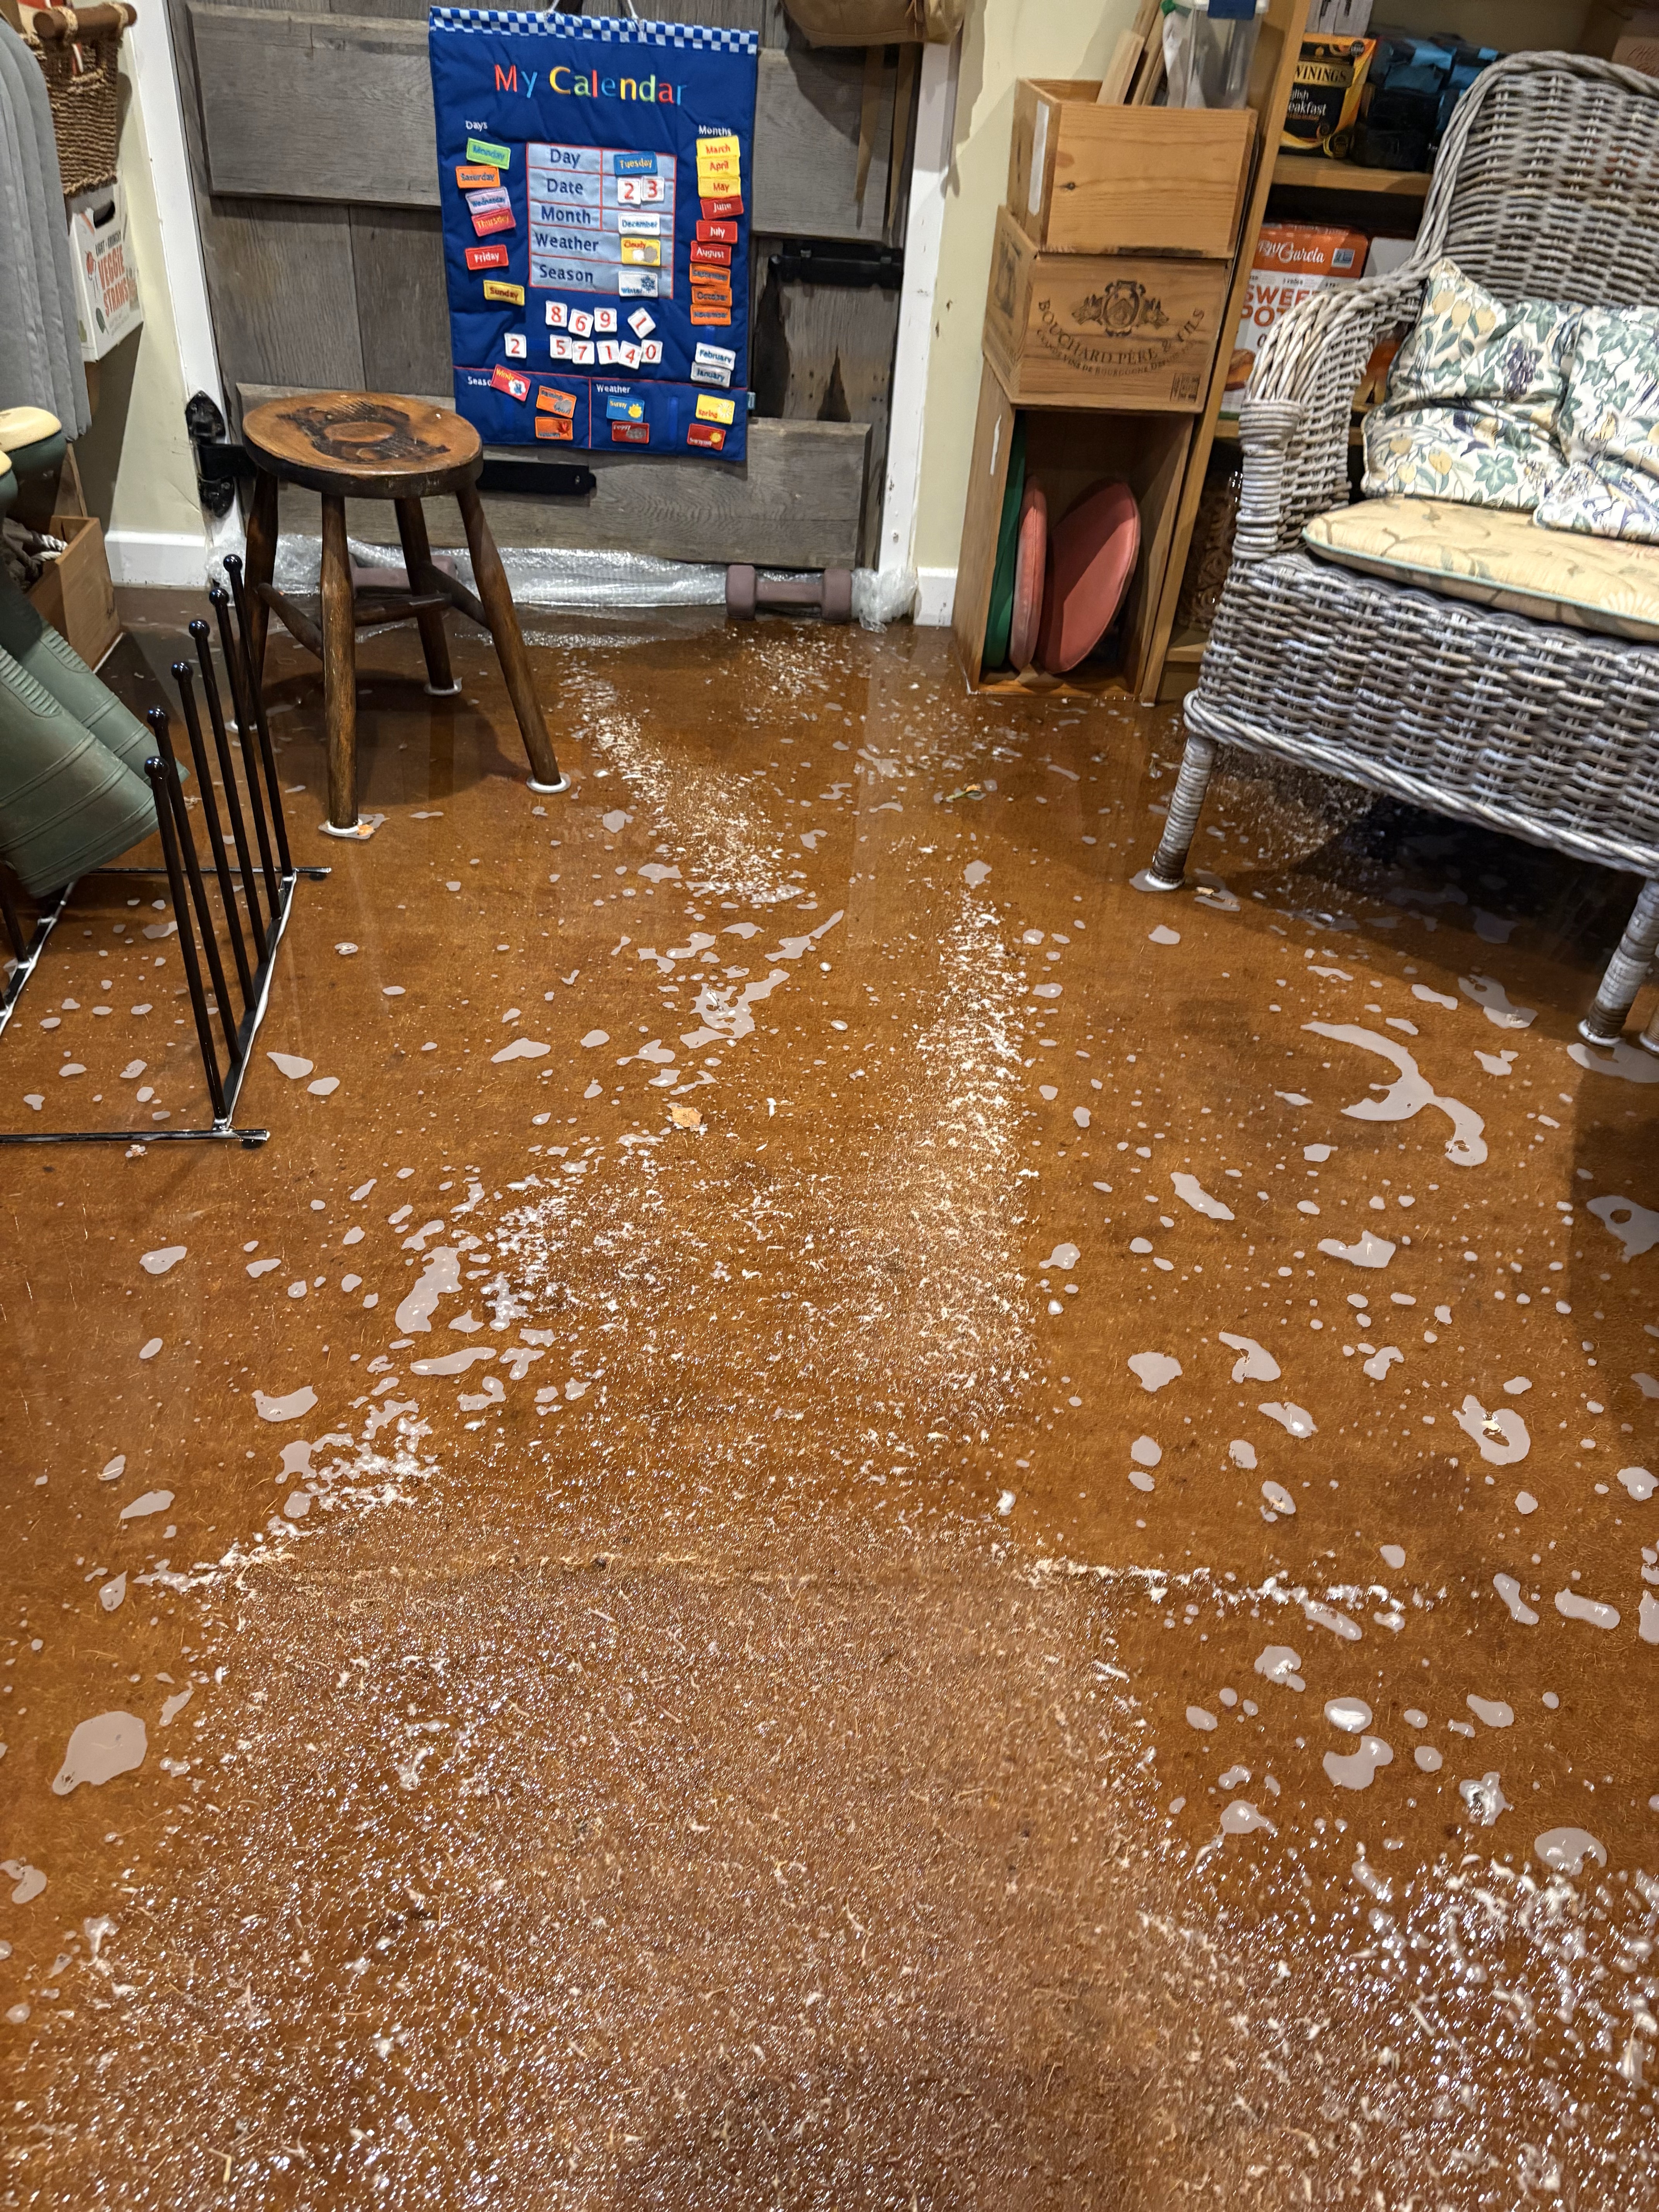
<point x="1546" y="186"/>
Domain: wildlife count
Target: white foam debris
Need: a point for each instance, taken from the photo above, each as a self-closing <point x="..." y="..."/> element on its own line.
<point x="1255" y="1364"/>
<point x="1294" y="1418"/>
<point x="1637" y="1227"/>
<point x="1368" y="1250"/>
<point x="1466" y="1147"/>
<point x="1154" y="1368"/>
<point x="1192" y="1192"/>
<point x="1501" y="1434"/>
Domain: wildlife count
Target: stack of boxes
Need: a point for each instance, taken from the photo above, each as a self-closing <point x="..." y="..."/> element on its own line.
<point x="1113" y="256"/>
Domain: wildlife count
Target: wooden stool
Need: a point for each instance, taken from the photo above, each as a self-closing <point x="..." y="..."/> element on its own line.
<point x="372" y="445"/>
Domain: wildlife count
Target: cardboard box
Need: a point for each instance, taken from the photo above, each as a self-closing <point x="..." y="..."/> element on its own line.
<point x="1101" y="329"/>
<point x="1084" y="178"/>
<point x="1293" y="260"/>
<point x="74" y="594"/>
<point x="106" y="277"/>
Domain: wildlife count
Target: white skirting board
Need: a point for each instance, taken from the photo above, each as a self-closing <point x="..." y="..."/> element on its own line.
<point x="178" y="560"/>
<point x="936" y="598"/>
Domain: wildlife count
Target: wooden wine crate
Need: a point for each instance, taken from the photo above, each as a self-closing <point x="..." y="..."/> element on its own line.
<point x="1084" y="178"/>
<point x="1101" y="329"/>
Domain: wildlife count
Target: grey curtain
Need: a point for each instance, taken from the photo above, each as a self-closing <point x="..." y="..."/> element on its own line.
<point x="40" y="361"/>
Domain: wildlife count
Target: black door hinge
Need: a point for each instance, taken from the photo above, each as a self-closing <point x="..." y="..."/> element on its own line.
<point x="220" y="459"/>
<point x="838" y="261"/>
<point x="542" y="479"/>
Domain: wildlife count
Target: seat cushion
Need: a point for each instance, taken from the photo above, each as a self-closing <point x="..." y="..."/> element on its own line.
<point x="1608" y="428"/>
<point x="1473" y="397"/>
<point x="1497" y="559"/>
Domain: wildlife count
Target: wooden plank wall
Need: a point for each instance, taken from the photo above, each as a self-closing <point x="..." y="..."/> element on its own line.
<point x="824" y="353"/>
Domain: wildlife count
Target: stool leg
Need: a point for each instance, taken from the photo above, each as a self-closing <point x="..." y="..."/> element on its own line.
<point x="339" y="672"/>
<point x="261" y="566"/>
<point x="417" y="559"/>
<point x="490" y="577"/>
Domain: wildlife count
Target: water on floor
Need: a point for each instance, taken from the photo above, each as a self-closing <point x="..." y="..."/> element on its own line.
<point x="847" y="1516"/>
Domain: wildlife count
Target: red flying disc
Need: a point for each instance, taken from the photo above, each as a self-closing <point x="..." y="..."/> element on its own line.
<point x="1092" y="560"/>
<point x="1030" y="564"/>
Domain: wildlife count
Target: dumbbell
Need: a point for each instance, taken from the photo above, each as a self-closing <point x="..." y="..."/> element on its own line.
<point x="827" y="593"/>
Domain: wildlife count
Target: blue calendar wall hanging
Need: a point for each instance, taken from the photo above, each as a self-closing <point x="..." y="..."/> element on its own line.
<point x="597" y="178"/>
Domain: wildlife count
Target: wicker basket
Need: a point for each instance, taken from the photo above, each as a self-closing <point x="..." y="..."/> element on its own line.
<point x="82" y="73"/>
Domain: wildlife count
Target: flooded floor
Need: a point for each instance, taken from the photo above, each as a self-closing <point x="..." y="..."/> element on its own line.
<point x="848" y="1517"/>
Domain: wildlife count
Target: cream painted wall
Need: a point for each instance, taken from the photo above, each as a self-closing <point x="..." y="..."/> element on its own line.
<point x="1004" y="40"/>
<point x="135" y="462"/>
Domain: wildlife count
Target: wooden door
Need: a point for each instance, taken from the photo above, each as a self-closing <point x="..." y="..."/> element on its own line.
<point x="312" y="154"/>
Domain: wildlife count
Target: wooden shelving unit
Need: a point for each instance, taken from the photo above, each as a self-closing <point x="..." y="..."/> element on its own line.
<point x="1311" y="173"/>
<point x="1161" y="456"/>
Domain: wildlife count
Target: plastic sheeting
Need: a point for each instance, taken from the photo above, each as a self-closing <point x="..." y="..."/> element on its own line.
<point x="599" y="583"/>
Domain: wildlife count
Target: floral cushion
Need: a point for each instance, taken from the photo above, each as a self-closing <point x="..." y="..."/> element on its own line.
<point x="1608" y="428"/>
<point x="1498" y="560"/>
<point x="1473" y="397"/>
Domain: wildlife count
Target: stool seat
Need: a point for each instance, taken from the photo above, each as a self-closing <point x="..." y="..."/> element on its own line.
<point x="379" y="444"/>
<point x="364" y="445"/>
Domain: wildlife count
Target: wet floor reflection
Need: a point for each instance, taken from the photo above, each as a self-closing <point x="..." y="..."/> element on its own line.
<point x="848" y="1515"/>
